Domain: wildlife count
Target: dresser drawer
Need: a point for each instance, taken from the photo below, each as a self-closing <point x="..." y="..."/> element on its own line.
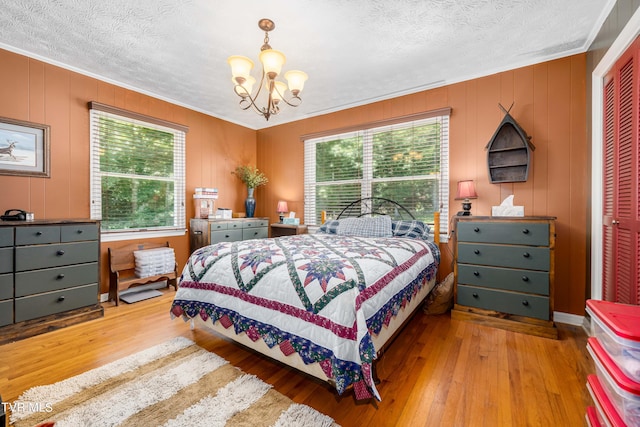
<point x="45" y="256"/>
<point x="6" y="237"/>
<point x="255" y="223"/>
<point x="514" y="233"/>
<point x="35" y="306"/>
<point x="6" y="312"/>
<point x="219" y="225"/>
<point x="504" y="301"/>
<point x="6" y="260"/>
<point x="255" y="233"/>
<point x="6" y="286"/>
<point x="53" y="279"/>
<point x="233" y="225"/>
<point x="535" y="282"/>
<point x="37" y="235"/>
<point x="78" y="232"/>
<point x="530" y="258"/>
<point x="226" y="236"/>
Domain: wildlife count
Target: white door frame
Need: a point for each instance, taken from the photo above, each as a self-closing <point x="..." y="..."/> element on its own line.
<point x="619" y="46"/>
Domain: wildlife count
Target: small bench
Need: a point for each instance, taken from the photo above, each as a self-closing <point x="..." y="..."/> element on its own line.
<point x="122" y="266"/>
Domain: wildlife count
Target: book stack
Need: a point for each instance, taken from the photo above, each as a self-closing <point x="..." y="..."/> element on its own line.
<point x="614" y="345"/>
<point x="204" y="201"/>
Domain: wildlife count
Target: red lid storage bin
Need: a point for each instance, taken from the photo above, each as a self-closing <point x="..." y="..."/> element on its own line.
<point x="606" y="413"/>
<point x="623" y="392"/>
<point x="617" y="328"/>
<point x="592" y="417"/>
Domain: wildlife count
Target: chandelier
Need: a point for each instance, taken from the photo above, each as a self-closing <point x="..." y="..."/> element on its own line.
<point x="272" y="61"/>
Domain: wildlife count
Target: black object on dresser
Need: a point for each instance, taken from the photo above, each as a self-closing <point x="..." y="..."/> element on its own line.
<point x="49" y="275"/>
<point x="504" y="268"/>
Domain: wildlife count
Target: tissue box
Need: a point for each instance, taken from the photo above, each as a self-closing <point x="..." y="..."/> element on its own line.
<point x="223" y="213"/>
<point x="507" y="210"/>
<point x="291" y="221"/>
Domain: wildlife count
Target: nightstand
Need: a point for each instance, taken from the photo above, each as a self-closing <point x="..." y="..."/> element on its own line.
<point x="278" y="229"/>
<point x="504" y="268"/>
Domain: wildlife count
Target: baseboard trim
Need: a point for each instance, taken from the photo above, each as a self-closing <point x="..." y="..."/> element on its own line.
<point x="568" y="318"/>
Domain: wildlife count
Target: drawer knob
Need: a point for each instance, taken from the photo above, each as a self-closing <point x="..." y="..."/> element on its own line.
<point x="60" y="252"/>
<point x="525" y="303"/>
<point x="38" y="233"/>
<point x="525" y="231"/>
<point x="226" y="236"/>
<point x="197" y="233"/>
<point x="61" y="298"/>
<point x="476" y="229"/>
<point x="476" y="273"/>
<point x="79" y="231"/>
<point x="60" y="276"/>
<point x="476" y="251"/>
<point x="525" y="279"/>
<point x="475" y="295"/>
<point x="526" y="255"/>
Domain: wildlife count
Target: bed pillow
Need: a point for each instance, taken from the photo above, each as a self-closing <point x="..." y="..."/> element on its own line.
<point x="329" y="227"/>
<point x="377" y="226"/>
<point x="412" y="229"/>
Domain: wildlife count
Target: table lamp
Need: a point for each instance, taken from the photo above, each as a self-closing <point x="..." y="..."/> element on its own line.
<point x="466" y="191"/>
<point x="281" y="209"/>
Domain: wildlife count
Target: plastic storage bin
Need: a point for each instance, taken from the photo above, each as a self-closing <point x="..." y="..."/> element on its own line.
<point x="592" y="417"/>
<point x="623" y="392"/>
<point x="604" y="411"/>
<point x="151" y="262"/>
<point x="617" y="327"/>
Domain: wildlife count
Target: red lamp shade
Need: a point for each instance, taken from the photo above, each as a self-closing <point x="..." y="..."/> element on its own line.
<point x="282" y="207"/>
<point x="466" y="190"/>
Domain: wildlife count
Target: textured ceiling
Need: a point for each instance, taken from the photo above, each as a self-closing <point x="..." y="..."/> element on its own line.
<point x="355" y="51"/>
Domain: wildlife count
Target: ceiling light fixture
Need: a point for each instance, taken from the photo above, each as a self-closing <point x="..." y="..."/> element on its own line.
<point x="272" y="61"/>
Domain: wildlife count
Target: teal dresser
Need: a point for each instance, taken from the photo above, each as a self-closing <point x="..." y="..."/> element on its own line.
<point x="504" y="268"/>
<point x="49" y="275"/>
<point x="204" y="232"/>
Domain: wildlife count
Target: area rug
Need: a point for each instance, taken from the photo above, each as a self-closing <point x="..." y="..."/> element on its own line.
<point x="176" y="383"/>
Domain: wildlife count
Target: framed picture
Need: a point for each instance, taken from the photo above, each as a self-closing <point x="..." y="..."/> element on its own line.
<point x="24" y="148"/>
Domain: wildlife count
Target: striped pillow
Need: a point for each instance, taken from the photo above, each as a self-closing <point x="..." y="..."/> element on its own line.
<point x="412" y="229"/>
<point x="377" y="226"/>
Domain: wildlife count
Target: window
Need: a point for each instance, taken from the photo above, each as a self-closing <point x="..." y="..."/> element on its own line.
<point x="137" y="174"/>
<point x="406" y="162"/>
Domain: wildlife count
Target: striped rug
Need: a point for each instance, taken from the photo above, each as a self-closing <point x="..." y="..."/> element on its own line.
<point x="175" y="383"/>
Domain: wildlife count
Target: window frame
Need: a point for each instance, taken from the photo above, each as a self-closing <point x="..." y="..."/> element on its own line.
<point x="367" y="131"/>
<point x="179" y="179"/>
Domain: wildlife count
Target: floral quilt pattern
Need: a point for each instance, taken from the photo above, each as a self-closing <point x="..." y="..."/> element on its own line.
<point x="319" y="295"/>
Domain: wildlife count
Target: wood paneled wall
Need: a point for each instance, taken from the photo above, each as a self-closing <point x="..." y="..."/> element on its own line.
<point x="548" y="98"/>
<point x="39" y="92"/>
<point x="548" y="102"/>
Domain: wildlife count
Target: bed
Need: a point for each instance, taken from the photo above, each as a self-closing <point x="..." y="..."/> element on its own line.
<point x="324" y="303"/>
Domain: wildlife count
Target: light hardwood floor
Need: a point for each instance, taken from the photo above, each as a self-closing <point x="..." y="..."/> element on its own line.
<point x="438" y="372"/>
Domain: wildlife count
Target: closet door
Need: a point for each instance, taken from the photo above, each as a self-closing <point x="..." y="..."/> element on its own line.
<point x="621" y="219"/>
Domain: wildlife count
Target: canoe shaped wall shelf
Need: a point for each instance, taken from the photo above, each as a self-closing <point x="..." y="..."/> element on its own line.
<point x="509" y="151"/>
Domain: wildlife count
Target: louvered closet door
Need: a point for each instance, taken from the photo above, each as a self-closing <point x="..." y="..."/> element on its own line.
<point x="621" y="232"/>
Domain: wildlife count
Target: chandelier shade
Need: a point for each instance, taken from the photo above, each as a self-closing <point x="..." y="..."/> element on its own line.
<point x="274" y="92"/>
<point x="241" y="66"/>
<point x="296" y="80"/>
<point x="272" y="61"/>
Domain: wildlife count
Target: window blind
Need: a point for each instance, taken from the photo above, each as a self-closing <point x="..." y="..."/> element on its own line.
<point x="405" y="162"/>
<point x="137" y="173"/>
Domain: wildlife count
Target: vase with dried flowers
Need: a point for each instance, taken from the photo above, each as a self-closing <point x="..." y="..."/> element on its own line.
<point x="252" y="178"/>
